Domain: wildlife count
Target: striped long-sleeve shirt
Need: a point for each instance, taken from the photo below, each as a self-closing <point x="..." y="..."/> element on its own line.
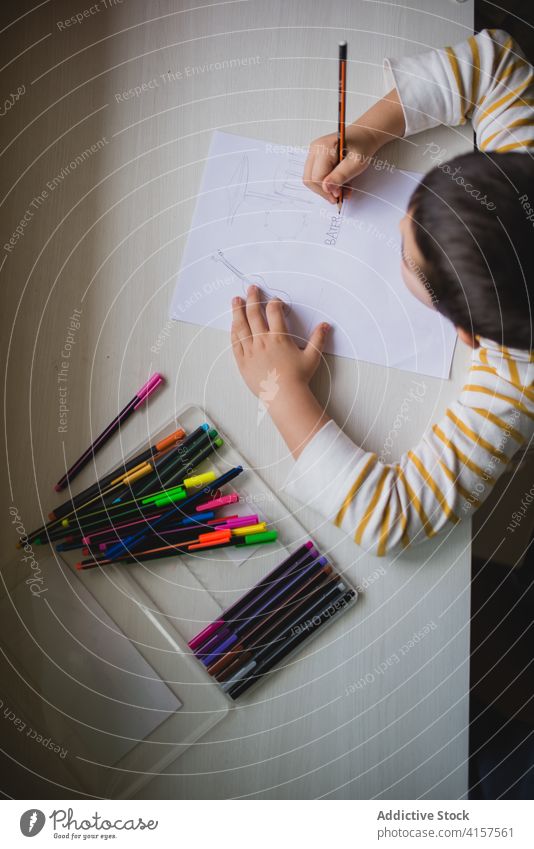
<point x="386" y="507"/>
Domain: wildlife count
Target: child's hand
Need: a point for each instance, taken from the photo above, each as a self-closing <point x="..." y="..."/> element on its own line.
<point x="381" y="123"/>
<point x="270" y="362"/>
<point x="276" y="370"/>
<point x="323" y="174"/>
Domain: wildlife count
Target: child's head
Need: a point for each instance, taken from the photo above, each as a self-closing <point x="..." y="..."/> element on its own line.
<point x="468" y="245"/>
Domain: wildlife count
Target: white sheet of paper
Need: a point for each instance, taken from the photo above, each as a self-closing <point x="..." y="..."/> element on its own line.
<point x="255" y="222"/>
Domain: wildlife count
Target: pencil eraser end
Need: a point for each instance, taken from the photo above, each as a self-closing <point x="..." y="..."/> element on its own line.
<point x="58" y="488"/>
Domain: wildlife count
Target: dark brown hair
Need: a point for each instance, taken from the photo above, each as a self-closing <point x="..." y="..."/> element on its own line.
<point x="474" y="225"/>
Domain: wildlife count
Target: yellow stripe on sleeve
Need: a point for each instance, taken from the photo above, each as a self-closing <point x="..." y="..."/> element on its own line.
<point x="515" y="434"/>
<point x="517" y="92"/>
<point x="525" y="101"/>
<point x="471" y="387"/>
<point x="354" y="489"/>
<point x="405" y="539"/>
<point x="429" y="531"/>
<point x="525" y="390"/>
<point x="370" y="507"/>
<point x="476" y="438"/>
<point x="460" y="455"/>
<point x="508" y="71"/>
<point x="454" y="478"/>
<point x="382" y="542"/>
<point x="449" y="514"/>
<point x="521" y="122"/>
<point x="504" y="148"/>
<point x="459" y="82"/>
<point x="488" y="369"/>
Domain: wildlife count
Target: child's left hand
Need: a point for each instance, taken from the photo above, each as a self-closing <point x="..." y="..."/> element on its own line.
<point x="266" y="354"/>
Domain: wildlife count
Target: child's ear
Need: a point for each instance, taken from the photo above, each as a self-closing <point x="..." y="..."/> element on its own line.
<point x="467" y="338"/>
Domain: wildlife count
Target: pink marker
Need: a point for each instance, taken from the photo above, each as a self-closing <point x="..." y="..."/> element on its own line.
<point x="218" y="502"/>
<point x="208" y="630"/>
<point x="239" y="522"/>
<point x="139" y="398"/>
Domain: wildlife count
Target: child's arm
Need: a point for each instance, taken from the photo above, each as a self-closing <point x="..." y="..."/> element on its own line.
<point x="485" y="78"/>
<point x="383" y="506"/>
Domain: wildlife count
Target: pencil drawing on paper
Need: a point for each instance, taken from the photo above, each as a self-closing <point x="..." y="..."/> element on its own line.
<point x="285" y="190"/>
<point x="251" y="279"/>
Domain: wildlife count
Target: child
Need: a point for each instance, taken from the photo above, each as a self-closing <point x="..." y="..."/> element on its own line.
<point x="467" y="252"/>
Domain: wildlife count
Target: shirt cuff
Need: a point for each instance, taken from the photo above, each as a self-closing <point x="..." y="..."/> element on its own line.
<point x="422" y="84"/>
<point x="319" y="477"/>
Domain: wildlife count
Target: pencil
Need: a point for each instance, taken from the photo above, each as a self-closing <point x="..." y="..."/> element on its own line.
<point x="342" y="88"/>
<point x="130" y="408"/>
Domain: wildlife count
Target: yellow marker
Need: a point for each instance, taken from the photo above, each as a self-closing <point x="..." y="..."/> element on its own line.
<point x="141" y="472"/>
<point x="249" y="529"/>
<point x="129" y="472"/>
<point x="199" y="480"/>
<point x="132" y="476"/>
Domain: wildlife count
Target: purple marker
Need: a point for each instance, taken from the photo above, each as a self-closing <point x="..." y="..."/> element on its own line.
<point x="264" y="608"/>
<point x="212" y="643"/>
<point x="294" y="560"/>
<point x="205" y="633"/>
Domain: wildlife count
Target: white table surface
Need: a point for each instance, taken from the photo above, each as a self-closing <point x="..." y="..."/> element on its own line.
<point x="108" y="241"/>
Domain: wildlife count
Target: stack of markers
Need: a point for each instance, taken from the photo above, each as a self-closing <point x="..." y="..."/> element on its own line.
<point x="272" y="620"/>
<point x="154" y="506"/>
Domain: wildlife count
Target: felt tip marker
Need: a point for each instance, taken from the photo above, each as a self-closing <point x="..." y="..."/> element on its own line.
<point x="139" y="398"/>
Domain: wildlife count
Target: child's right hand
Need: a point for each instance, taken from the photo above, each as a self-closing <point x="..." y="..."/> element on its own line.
<point x="323" y="174"/>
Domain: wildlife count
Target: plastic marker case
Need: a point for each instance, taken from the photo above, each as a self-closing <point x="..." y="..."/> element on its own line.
<point x="161" y="605"/>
